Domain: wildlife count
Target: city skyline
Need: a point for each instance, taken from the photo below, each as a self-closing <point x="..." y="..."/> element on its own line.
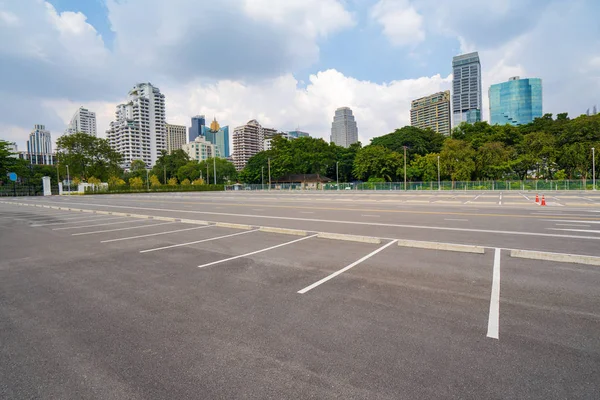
<point x="303" y="71"/>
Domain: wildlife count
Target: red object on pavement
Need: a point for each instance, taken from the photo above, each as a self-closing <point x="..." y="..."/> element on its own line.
<point x="537" y="198"/>
<point x="543" y="201"/>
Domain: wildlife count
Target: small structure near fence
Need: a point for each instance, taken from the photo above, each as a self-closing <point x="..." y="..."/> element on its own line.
<point x="301" y="181"/>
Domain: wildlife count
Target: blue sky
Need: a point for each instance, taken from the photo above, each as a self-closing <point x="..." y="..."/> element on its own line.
<point x="287" y="63"/>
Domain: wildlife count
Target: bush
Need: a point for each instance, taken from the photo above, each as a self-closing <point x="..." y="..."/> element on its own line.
<point x="154" y="182"/>
<point x="172" y="182"/>
<point x="185" y="182"/>
<point x="95" y="181"/>
<point x="115" y="181"/>
<point x="198" y="181"/>
<point x="136" y="183"/>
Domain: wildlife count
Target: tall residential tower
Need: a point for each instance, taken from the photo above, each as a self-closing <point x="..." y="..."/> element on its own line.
<point x="344" y="130"/>
<point x="176" y="137"/>
<point x="39" y="146"/>
<point x="516" y="102"/>
<point x="466" y="89"/>
<point x="138" y="132"/>
<point x="432" y="112"/>
<point x="248" y="141"/>
<point x="84" y="121"/>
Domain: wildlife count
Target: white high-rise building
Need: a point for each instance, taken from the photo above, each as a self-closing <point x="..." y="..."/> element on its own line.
<point x="176" y="137"/>
<point x="344" y="130"/>
<point x="201" y="149"/>
<point x="248" y="140"/>
<point x="139" y="132"/>
<point x="84" y="121"/>
<point x="39" y="146"/>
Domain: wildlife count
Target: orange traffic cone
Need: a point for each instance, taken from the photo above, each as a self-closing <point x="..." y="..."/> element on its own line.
<point x="537" y="198"/>
<point x="543" y="201"/>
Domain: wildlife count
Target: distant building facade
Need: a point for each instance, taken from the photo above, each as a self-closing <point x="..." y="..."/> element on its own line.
<point x="198" y="125"/>
<point x="176" y="137"/>
<point x="344" y="130"/>
<point x="248" y="140"/>
<point x="298" y="134"/>
<point x="466" y="89"/>
<point x="138" y="131"/>
<point x="432" y="112"/>
<point x="200" y="149"/>
<point x="84" y="121"/>
<point x="219" y="136"/>
<point x="39" y="146"/>
<point x="516" y="102"/>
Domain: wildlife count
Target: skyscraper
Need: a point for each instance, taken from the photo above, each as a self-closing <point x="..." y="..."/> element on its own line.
<point x="197" y="128"/>
<point x="138" y="132"/>
<point x="176" y="137"/>
<point x="39" y="146"/>
<point x="516" y="102"/>
<point x="466" y="89"/>
<point x="344" y="130"/>
<point x="219" y="136"/>
<point x="248" y="141"/>
<point x="432" y="112"/>
<point x="84" y="121"/>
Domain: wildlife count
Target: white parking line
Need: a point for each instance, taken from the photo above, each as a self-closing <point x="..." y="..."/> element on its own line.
<point x="198" y="241"/>
<point x="355" y="263"/>
<point x="110" y="223"/>
<point x="494" y="317"/>
<point x="255" y="252"/>
<point x="70" y="218"/>
<point x="575" y="221"/>
<point x="500" y="202"/>
<point x="155" y="234"/>
<point x="370" y="215"/>
<point x="455" y="219"/>
<point x="573" y="230"/>
<point x="581" y="226"/>
<point x="75" y="222"/>
<point x="120" y="229"/>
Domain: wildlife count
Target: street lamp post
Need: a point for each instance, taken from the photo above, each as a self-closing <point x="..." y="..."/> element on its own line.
<point x="69" y="179"/>
<point x="147" y="181"/>
<point x="404" y="167"/>
<point x="262" y="178"/>
<point x="439" y="187"/>
<point x="337" y="174"/>
<point x="269" y="162"/>
<point x="594" y="168"/>
<point x="215" y="170"/>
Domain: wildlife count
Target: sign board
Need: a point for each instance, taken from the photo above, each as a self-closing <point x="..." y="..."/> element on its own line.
<point x="12" y="176"/>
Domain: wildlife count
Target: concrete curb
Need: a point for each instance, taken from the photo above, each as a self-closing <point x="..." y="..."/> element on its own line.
<point x="194" y="221"/>
<point x="558" y="257"/>
<point x="169" y="219"/>
<point x="461" y="248"/>
<point x="234" y="226"/>
<point x="283" y="231"/>
<point x="350" y="238"/>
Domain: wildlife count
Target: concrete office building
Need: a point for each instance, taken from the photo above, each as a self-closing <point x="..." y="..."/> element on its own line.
<point x="176" y="137"/>
<point x="432" y="112"/>
<point x="200" y="149"/>
<point x="344" y="130"/>
<point x="248" y="140"/>
<point x="466" y="89"/>
<point x="516" y="102"/>
<point x="298" y="134"/>
<point x="39" y="146"/>
<point x="139" y="132"/>
<point x="84" y="121"/>
<point x="219" y="136"/>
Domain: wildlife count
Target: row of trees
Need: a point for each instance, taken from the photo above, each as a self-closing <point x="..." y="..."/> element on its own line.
<point x="548" y="148"/>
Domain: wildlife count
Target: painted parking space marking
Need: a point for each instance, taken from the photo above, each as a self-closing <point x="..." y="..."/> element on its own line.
<point x="256" y="252"/>
<point x="76" y="222"/>
<point x="494" y="315"/>
<point x="109" y="223"/>
<point x="341" y="271"/>
<point x="198" y="241"/>
<point x="121" y="229"/>
<point x="455" y="219"/>
<point x="155" y="234"/>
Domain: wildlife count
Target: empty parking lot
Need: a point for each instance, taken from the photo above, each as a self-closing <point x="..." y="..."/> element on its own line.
<point x="313" y="295"/>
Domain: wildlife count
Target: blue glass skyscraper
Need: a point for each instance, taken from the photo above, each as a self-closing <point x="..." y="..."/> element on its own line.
<point x="198" y="123"/>
<point x="516" y="102"/>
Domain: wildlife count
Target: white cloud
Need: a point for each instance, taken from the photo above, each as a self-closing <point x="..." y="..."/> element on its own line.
<point x="8" y="18"/>
<point x="401" y="23"/>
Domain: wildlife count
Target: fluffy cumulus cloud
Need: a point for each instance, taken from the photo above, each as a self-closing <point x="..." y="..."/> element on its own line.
<point x="236" y="59"/>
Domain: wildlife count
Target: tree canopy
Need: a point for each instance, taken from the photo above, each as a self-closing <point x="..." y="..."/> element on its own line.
<point x="87" y="156"/>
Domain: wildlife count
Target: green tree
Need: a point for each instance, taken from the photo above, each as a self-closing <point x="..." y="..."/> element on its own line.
<point x="377" y="162"/>
<point x="154" y="181"/>
<point x="169" y="164"/>
<point x="456" y="160"/>
<point x="424" y="168"/>
<point x="226" y="171"/>
<point x="190" y="171"/>
<point x="185" y="182"/>
<point x="115" y="181"/>
<point x="418" y="141"/>
<point x="491" y="161"/>
<point x="87" y="155"/>
<point x="172" y="181"/>
<point x="136" y="182"/>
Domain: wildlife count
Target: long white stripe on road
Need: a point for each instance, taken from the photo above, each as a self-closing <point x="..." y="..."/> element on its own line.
<point x="355" y="263"/>
<point x="110" y="223"/>
<point x="155" y="234"/>
<point x="255" y="252"/>
<point x="198" y="241"/>
<point x="579" y="225"/>
<point x="494" y="317"/>
<point x="121" y="229"/>
<point x="573" y="230"/>
<point x="70" y="218"/>
<point x="572" y="220"/>
<point x="437" y="228"/>
<point x="75" y="222"/>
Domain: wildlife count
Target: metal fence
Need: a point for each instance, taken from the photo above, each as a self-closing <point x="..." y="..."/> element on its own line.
<point x="527" y="185"/>
<point x="24" y="189"/>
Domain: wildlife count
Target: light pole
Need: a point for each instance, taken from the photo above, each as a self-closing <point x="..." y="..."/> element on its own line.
<point x="269" y="161"/>
<point x="215" y="169"/>
<point x="207" y="174"/>
<point x="337" y="175"/>
<point x="147" y="181"/>
<point x="69" y="179"/>
<point x="439" y="187"/>
<point x="404" y="167"/>
<point x="594" y="168"/>
<point x="262" y="178"/>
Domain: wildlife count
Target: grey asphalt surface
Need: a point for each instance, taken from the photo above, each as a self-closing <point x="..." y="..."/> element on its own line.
<point x="86" y="316"/>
